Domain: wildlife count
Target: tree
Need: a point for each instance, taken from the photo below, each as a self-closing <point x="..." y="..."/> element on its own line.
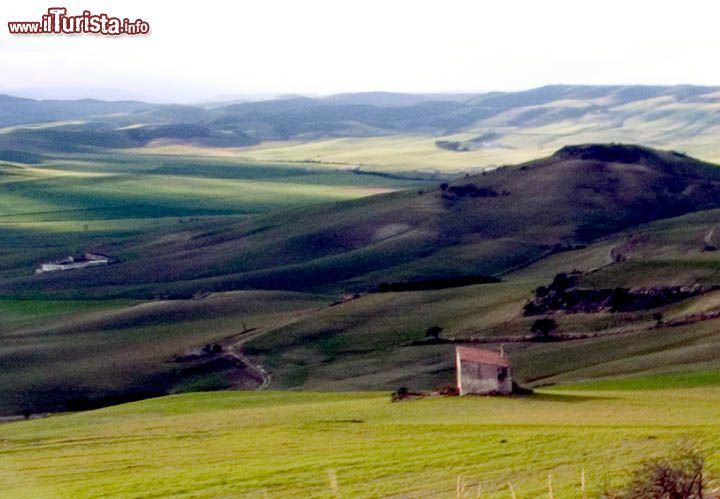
<point x="543" y="328"/>
<point x="433" y="332"/>
<point x="561" y="282"/>
<point x="658" y="318"/>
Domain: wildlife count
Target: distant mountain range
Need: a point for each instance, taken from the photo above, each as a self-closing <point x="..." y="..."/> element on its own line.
<point x="653" y="115"/>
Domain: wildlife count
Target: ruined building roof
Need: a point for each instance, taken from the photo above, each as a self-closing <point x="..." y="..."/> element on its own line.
<point x="482" y="356"/>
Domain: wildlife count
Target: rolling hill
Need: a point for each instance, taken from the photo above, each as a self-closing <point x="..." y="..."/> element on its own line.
<point x="378" y="131"/>
<point x="18" y="111"/>
<point x="289" y="444"/>
<point x="340" y="295"/>
<point x="477" y="227"/>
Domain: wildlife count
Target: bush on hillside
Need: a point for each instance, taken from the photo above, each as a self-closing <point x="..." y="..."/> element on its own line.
<point x="679" y="476"/>
<point x="433" y="332"/>
<point x="543" y="328"/>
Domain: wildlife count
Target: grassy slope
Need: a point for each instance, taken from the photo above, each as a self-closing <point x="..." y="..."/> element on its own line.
<point x="60" y="351"/>
<point x="414" y="234"/>
<point x="97" y="186"/>
<point x="363" y="344"/>
<point x="15" y="314"/>
<point x="284" y="444"/>
<point x="71" y="203"/>
<point x="96" y="350"/>
<point x="664" y="253"/>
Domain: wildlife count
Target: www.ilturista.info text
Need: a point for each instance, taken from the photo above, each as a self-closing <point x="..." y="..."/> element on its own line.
<point x="56" y="21"/>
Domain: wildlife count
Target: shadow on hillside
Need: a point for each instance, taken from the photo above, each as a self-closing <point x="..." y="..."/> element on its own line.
<point x="567" y="398"/>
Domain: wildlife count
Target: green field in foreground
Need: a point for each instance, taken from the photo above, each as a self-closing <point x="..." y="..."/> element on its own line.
<point x="275" y="444"/>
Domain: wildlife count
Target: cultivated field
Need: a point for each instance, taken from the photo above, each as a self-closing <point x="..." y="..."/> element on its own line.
<point x="276" y="444"/>
<point x="70" y="202"/>
<point x="404" y="153"/>
<point x="518" y="144"/>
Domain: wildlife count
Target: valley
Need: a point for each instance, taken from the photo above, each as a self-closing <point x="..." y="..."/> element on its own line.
<point x="360" y="250"/>
<point x="338" y="287"/>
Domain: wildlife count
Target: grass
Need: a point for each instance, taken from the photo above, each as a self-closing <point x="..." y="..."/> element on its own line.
<point x="283" y="444"/>
<point x="18" y="313"/>
<point x="653" y="382"/>
<point x="70" y="202"/>
<point x="687" y="349"/>
<point x="347" y="245"/>
<point x="518" y="142"/>
<point x="182" y="226"/>
<point x="394" y="153"/>
<point x="123" y="185"/>
<point x="131" y="194"/>
<point x="59" y="353"/>
<point x="364" y="343"/>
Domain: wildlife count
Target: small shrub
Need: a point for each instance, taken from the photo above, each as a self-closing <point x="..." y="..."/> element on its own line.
<point x="399" y="394"/>
<point x="677" y="477"/>
<point x="433" y="332"/>
<point x="543" y="328"/>
<point x="448" y="390"/>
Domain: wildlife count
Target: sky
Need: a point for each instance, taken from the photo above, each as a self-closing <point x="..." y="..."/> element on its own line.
<point x="210" y="50"/>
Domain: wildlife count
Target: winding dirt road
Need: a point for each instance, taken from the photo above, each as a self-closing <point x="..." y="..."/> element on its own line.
<point x="236" y="351"/>
<point x="233" y="345"/>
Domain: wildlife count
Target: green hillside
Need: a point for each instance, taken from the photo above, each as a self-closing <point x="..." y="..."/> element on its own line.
<point x="478" y="226"/>
<point x="60" y="355"/>
<point x="284" y="444"/>
<point x="342" y="295"/>
<point x="376" y="340"/>
<point x="67" y="204"/>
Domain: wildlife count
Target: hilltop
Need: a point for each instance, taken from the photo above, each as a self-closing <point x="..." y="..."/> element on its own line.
<point x="480" y="226"/>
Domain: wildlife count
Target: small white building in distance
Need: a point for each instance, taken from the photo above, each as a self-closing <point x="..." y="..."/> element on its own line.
<point x="482" y="372"/>
<point x="74" y="262"/>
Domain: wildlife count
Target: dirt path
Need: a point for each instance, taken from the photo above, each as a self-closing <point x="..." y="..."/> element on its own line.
<point x="233" y="345"/>
<point x="236" y="351"/>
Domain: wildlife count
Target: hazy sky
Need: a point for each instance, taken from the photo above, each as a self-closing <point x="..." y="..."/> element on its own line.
<point x="204" y="49"/>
